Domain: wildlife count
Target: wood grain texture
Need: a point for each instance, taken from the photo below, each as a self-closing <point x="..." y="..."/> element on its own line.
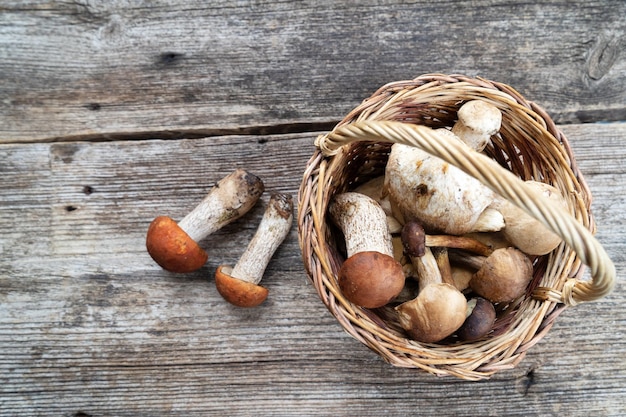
<point x="129" y="69"/>
<point x="89" y="325"/>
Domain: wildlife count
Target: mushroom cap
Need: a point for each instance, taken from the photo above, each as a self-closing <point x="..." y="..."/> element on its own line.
<point x="371" y="279"/>
<point x="479" y="322"/>
<point x="172" y="248"/>
<point x="524" y="231"/>
<point x="437" y="312"/>
<point x="237" y="291"/>
<point x="503" y="276"/>
<point x="480" y="121"/>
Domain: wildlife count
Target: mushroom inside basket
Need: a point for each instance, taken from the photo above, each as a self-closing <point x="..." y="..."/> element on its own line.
<point x="445" y="224"/>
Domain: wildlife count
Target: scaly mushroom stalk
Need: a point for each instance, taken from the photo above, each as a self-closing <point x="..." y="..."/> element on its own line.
<point x="370" y="276"/>
<point x="174" y="246"/>
<point x="374" y="189"/>
<point x="239" y="285"/>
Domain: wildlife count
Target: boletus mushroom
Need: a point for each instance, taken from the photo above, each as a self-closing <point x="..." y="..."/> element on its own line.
<point x="524" y="231"/>
<point x="440" y="196"/>
<point x="477" y="121"/>
<point x="174" y="246"/>
<point x="239" y="285"/>
<point x="480" y="320"/>
<point x="439" y="308"/>
<point x="500" y="277"/>
<point x="370" y="276"/>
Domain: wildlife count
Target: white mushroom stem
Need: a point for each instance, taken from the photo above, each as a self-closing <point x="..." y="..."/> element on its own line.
<point x="426" y="269"/>
<point x="363" y="223"/>
<point x="232" y="197"/>
<point x="477" y="121"/>
<point x="524" y="231"/>
<point x="272" y="231"/>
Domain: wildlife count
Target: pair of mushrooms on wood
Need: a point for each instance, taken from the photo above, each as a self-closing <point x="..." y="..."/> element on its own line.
<point x="174" y="246"/>
<point x="479" y="244"/>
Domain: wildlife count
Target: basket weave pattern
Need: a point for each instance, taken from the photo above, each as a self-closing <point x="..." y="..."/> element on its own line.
<point x="528" y="146"/>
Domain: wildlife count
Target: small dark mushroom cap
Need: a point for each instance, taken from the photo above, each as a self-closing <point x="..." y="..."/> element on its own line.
<point x="413" y="239"/>
<point x="172" y="248"/>
<point x="480" y="321"/>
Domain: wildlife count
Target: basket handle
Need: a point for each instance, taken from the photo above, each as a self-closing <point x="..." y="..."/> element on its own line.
<point x="503" y="182"/>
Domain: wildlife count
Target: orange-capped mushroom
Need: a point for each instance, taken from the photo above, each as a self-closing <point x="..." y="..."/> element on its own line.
<point x="239" y="285"/>
<point x="174" y="246"/>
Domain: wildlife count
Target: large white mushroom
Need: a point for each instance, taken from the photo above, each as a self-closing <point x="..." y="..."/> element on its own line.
<point x="440" y="196"/>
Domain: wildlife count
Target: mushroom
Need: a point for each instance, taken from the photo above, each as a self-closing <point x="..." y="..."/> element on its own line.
<point x="439" y="308"/>
<point x="480" y="319"/>
<point x="500" y="277"/>
<point x="439" y="244"/>
<point x="524" y="231"/>
<point x="477" y="121"/>
<point x="174" y="246"/>
<point x="370" y="276"/>
<point x="239" y="285"/>
<point x="440" y="196"/>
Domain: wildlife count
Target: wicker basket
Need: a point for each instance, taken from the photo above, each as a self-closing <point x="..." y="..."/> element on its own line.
<point x="529" y="146"/>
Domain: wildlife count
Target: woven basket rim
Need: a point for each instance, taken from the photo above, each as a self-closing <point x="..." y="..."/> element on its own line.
<point x="433" y="97"/>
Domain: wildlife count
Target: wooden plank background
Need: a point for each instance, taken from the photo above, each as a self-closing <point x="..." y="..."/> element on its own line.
<point x="115" y="112"/>
<point x="79" y="69"/>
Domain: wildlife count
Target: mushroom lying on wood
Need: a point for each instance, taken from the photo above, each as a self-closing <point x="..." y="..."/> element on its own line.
<point x="370" y="276"/>
<point x="174" y="245"/>
<point x="239" y="285"/>
<point x="439" y="308"/>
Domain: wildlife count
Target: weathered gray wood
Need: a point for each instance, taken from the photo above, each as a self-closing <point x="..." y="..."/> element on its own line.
<point x="128" y="69"/>
<point x="89" y="324"/>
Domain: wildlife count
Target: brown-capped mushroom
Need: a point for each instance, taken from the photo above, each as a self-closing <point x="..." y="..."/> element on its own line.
<point x="439" y="308"/>
<point x="500" y="277"/>
<point x="480" y="320"/>
<point x="524" y="231"/>
<point x="174" y="246"/>
<point x="370" y="276"/>
<point x="239" y="285"/>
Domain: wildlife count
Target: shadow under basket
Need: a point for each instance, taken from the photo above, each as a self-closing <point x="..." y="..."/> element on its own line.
<point x="528" y="146"/>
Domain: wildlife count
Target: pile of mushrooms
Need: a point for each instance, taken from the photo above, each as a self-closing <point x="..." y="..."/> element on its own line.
<point x="470" y="251"/>
<point x="175" y="246"/>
